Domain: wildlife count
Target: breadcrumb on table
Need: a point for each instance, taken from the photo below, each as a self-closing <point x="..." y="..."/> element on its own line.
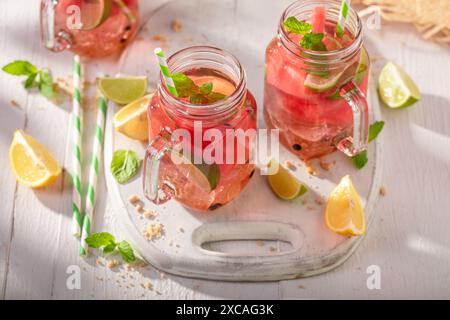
<point x="177" y="26"/>
<point x="383" y="191"/>
<point x="153" y="231"/>
<point x="112" y="264"/>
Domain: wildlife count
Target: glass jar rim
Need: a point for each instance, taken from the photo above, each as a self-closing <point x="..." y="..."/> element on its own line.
<point x="213" y="108"/>
<point x="328" y="57"/>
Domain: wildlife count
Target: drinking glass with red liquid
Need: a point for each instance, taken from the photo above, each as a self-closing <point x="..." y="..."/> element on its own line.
<point x="90" y="28"/>
<point x="315" y="84"/>
<point x="203" y="183"/>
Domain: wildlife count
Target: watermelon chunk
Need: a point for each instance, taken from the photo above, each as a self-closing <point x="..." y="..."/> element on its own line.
<point x="318" y="20"/>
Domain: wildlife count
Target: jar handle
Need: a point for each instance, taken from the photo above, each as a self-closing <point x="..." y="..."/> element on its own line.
<point x="52" y="40"/>
<point x="155" y="189"/>
<point x="357" y="101"/>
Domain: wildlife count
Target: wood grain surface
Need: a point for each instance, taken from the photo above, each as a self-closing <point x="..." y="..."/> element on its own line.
<point x="409" y="242"/>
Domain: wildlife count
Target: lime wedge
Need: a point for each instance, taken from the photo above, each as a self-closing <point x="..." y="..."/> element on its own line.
<point x="322" y="84"/>
<point x="284" y="185"/>
<point x="123" y="90"/>
<point x="205" y="176"/>
<point x="94" y="12"/>
<point x="396" y="88"/>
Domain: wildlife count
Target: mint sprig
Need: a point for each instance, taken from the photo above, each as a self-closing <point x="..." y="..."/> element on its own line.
<point x="361" y="159"/>
<point x="107" y="242"/>
<point x="187" y="88"/>
<point x="40" y="78"/>
<point x="310" y="40"/>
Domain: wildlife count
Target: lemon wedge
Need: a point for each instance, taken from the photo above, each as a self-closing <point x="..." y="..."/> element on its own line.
<point x="284" y="185"/>
<point x="344" y="213"/>
<point x="132" y="120"/>
<point x="32" y="163"/>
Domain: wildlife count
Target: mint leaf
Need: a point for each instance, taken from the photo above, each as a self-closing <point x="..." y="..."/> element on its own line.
<point x="292" y="24"/>
<point x="126" y="251"/>
<point x="313" y="41"/>
<point x="198" y="99"/>
<point x="184" y="85"/>
<point x="20" y="68"/>
<point x="375" y="129"/>
<point x="101" y="239"/>
<point x="124" y="165"/>
<point x="109" y="247"/>
<point x="215" y="96"/>
<point x="25" y="68"/>
<point x="206" y="88"/>
<point x="360" y="160"/>
<point x="30" y="82"/>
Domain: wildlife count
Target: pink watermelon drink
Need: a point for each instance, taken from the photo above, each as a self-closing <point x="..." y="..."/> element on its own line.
<point x="91" y="28"/>
<point x="224" y="105"/>
<point x="304" y="77"/>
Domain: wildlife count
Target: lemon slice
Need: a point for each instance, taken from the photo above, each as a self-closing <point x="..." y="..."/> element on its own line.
<point x="344" y="213"/>
<point x="284" y="185"/>
<point x="32" y="164"/>
<point x="123" y="90"/>
<point x="396" y="88"/>
<point x="132" y="121"/>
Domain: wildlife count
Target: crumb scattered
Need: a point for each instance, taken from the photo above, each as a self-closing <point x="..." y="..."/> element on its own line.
<point x="139" y="209"/>
<point x="171" y="242"/>
<point x="148" y="285"/>
<point x="272" y="249"/>
<point x="153" y="231"/>
<point x="112" y="264"/>
<point x="310" y="169"/>
<point x="99" y="262"/>
<point x="291" y="166"/>
<point x="180" y="229"/>
<point x="148" y="214"/>
<point x="15" y="104"/>
<point x="162" y="275"/>
<point x="160" y="38"/>
<point x="319" y="201"/>
<point x="177" y="26"/>
<point x="326" y="165"/>
<point x="310" y="208"/>
<point x="134" y="199"/>
<point x="65" y="85"/>
<point x="300" y="286"/>
<point x="383" y="191"/>
<point x="260" y="243"/>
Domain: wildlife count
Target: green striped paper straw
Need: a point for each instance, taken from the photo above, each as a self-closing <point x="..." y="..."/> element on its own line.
<point x="343" y="14"/>
<point x="77" y="129"/>
<point x="126" y="11"/>
<point x="165" y="71"/>
<point x="93" y="174"/>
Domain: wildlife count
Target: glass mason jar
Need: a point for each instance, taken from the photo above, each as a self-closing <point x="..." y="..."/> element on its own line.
<point x="89" y="28"/>
<point x="205" y="185"/>
<point x="317" y="98"/>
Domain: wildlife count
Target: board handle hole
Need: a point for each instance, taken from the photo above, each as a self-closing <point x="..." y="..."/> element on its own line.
<point x="247" y="238"/>
<point x="244" y="247"/>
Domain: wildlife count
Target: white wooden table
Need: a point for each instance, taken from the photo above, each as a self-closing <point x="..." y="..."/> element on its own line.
<point x="409" y="240"/>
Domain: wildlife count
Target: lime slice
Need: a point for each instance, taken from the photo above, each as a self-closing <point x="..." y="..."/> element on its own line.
<point x="321" y="84"/>
<point x="284" y="185"/>
<point x="362" y="67"/>
<point x="396" y="88"/>
<point x="94" y="12"/>
<point x="123" y="90"/>
<point x="205" y="176"/>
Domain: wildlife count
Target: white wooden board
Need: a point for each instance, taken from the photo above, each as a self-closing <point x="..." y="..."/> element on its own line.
<point x="302" y="245"/>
